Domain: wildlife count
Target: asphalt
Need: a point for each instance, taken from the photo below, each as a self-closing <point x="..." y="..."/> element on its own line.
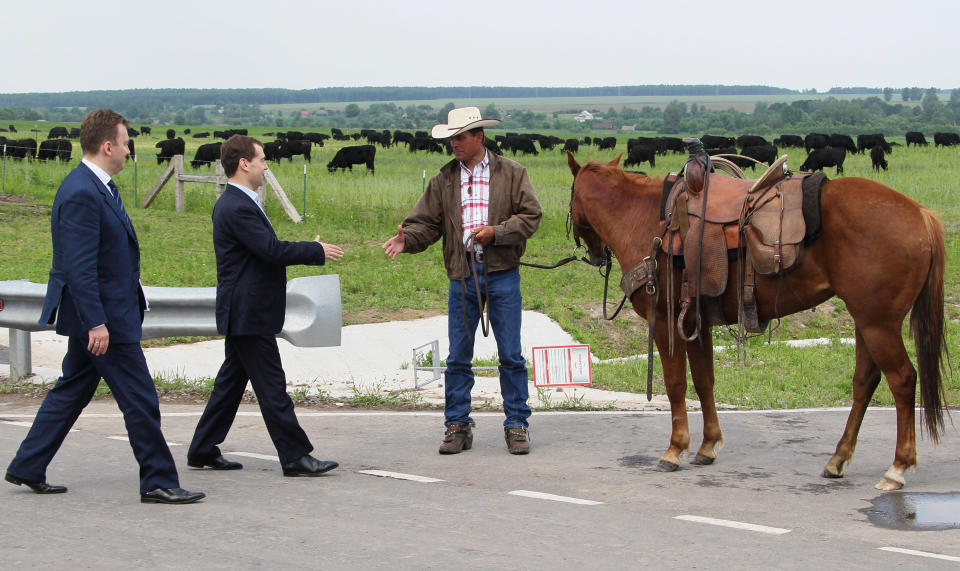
<point x="371" y="358"/>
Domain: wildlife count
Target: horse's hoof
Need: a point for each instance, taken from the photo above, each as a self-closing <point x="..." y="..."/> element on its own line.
<point x="834" y="470"/>
<point x="702" y="460"/>
<point x="664" y="466"/>
<point x="888" y="485"/>
<point x="828" y="474"/>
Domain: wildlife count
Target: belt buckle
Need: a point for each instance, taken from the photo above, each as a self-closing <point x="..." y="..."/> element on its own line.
<point x="478" y="257"/>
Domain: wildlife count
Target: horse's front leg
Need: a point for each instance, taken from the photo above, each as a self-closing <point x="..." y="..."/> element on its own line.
<point x="700" y="356"/>
<point x="675" y="380"/>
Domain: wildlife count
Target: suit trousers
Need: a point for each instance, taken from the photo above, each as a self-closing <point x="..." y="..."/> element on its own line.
<point x="125" y="371"/>
<point x="257" y="358"/>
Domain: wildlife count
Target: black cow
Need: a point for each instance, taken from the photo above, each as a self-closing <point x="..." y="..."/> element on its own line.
<point x="790" y="141"/>
<point x="207" y="154"/>
<point x="674" y="144"/>
<point x="74" y="133"/>
<point x="826" y="157"/>
<point x="21" y="149"/>
<point x="298" y="147"/>
<point x="751" y="141"/>
<point x="491" y="146"/>
<point x="722" y="151"/>
<point x="131" y="132"/>
<point x="763" y="153"/>
<point x="55" y="149"/>
<point x="571" y="146"/>
<point x="587" y="141"/>
<point x="133" y="149"/>
<point x="877" y="159"/>
<point x="607" y="143"/>
<point x="514" y="143"/>
<point x="716" y="142"/>
<point x="168" y="148"/>
<point x="425" y="143"/>
<point x="845" y="141"/>
<point x="349" y="156"/>
<point x="202" y="135"/>
<point x="402" y="137"/>
<point x="315" y="138"/>
<point x="639" y="154"/>
<point x="58" y="133"/>
<point x="171" y="133"/>
<point x="917" y="138"/>
<point x="13" y="129"/>
<point x="271" y="150"/>
<point x="294" y="136"/>
<point x="145" y="130"/>
<point x="815" y="141"/>
<point x="870" y="141"/>
<point x="383" y="139"/>
<point x="945" y="139"/>
<point x="186" y="131"/>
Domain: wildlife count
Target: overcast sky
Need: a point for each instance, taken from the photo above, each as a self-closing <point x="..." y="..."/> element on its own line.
<point x="58" y="45"/>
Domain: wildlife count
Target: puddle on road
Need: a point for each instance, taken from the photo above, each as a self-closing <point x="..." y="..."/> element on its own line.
<point x="915" y="511"/>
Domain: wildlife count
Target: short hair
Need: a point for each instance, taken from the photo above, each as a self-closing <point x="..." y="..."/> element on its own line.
<point x="235" y="148"/>
<point x="98" y="126"/>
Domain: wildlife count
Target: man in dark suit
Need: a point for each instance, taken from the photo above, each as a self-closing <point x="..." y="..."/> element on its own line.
<point x="251" y="302"/>
<point x="95" y="296"/>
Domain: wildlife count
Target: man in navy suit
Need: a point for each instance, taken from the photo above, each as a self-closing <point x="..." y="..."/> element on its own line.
<point x="94" y="295"/>
<point x="251" y="302"/>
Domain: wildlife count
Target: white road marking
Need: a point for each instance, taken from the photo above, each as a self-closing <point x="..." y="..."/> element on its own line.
<point x="920" y="553"/>
<point x="255" y="455"/>
<point x="24" y="424"/>
<point x="734" y="524"/>
<point x="553" y="497"/>
<point x="125" y="439"/>
<point x="400" y="476"/>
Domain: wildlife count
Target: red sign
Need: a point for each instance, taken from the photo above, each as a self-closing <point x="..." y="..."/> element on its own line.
<point x="561" y="365"/>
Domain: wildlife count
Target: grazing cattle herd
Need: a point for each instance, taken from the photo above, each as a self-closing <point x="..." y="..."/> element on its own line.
<point x="823" y="150"/>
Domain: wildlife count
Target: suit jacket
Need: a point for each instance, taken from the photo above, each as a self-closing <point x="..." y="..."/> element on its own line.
<point x="252" y="266"/>
<point x="95" y="278"/>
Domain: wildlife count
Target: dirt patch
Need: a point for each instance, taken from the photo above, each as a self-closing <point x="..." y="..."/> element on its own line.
<point x="374" y="315"/>
<point x="16" y="198"/>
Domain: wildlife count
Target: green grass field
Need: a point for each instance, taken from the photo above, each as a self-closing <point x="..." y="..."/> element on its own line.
<point x="359" y="211"/>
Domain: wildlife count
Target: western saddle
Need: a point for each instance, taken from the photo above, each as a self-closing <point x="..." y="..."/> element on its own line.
<point x="712" y="218"/>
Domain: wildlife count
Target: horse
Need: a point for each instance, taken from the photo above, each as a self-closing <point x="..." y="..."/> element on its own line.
<point x="880" y="252"/>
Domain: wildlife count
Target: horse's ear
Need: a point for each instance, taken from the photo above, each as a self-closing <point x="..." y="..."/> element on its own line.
<point x="573" y="164"/>
<point x="615" y="162"/>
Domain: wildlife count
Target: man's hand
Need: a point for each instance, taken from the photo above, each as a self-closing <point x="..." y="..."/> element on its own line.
<point x="483" y="235"/>
<point x="396" y="244"/>
<point x="99" y="339"/>
<point x="330" y="251"/>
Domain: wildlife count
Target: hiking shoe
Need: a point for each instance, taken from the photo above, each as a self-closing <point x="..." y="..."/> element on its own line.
<point x="458" y="437"/>
<point x="518" y="439"/>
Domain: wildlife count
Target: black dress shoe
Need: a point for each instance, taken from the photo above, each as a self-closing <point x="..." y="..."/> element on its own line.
<point x="37" y="487"/>
<point x="171" y="496"/>
<point x="308" y="466"/>
<point x="218" y="463"/>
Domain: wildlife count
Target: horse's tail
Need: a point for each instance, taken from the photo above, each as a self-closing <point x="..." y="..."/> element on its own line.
<point x="927" y="328"/>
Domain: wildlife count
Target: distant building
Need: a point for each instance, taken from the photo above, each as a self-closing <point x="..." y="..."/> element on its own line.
<point x="583" y="116"/>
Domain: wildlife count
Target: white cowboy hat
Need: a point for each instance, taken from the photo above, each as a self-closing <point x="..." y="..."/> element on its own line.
<point x="460" y="120"/>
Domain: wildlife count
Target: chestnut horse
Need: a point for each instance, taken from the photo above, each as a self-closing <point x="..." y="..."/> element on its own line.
<point x="881" y="252"/>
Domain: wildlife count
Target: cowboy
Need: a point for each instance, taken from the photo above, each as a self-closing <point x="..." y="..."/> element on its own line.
<point x="484" y="207"/>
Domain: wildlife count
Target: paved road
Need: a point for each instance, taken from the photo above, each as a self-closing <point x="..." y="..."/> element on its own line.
<point x="478" y="515"/>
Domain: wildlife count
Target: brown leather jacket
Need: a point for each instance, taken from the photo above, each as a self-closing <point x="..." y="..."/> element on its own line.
<point x="514" y="215"/>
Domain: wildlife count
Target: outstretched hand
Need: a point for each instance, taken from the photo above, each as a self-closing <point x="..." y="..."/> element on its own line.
<point x="330" y="251"/>
<point x="395" y="244"/>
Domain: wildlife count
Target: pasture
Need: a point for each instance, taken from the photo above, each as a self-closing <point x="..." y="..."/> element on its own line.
<point x="359" y="211"/>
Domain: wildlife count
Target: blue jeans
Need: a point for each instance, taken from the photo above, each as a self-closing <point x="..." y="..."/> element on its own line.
<point x="505" y="305"/>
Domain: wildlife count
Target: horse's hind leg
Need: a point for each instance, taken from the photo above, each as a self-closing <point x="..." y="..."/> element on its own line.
<point x="675" y="381"/>
<point x="866" y="377"/>
<point x="700" y="356"/>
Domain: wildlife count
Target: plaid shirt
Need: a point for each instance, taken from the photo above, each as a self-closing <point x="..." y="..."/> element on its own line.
<point x="474" y="198"/>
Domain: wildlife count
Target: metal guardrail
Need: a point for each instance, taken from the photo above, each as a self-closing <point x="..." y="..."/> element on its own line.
<point x="313" y="316"/>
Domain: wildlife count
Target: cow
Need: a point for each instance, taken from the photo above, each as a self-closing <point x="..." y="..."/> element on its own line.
<point x="271" y="150"/>
<point x="549" y="142"/>
<point x="815" y="141"/>
<point x="514" y="143"/>
<point x="168" y="148"/>
<point x="825" y="157"/>
<point x="716" y="142"/>
<point x="763" y="153"/>
<point x="54" y="149"/>
<point x="171" y="133"/>
<point x="145" y="130"/>
<point x="790" y="141"/>
<point x="186" y="131"/>
<point x="315" y="138"/>
<point x="131" y="132"/>
<point x="491" y="145"/>
<point x="206" y="155"/>
<point x="133" y="150"/>
<point x="357" y="155"/>
<point x="402" y="137"/>
<point x="22" y="149"/>
<point x="299" y="147"/>
<point x="74" y="133"/>
<point x="845" y="141"/>
<point x="640" y="153"/>
<point x="877" y="159"/>
<point x="917" y="138"/>
<point x="658" y="144"/>
<point x="294" y="136"/>
<point x="13" y="129"/>
<point x="751" y="141"/>
<point x="945" y="139"/>
<point x="870" y="141"/>
<point x="376" y="137"/>
<point x="202" y="135"/>
<point x="674" y="144"/>
<point x="722" y="151"/>
<point x="426" y="143"/>
<point x="587" y="141"/>
<point x="571" y="146"/>
<point x="58" y="133"/>
<point x="607" y="143"/>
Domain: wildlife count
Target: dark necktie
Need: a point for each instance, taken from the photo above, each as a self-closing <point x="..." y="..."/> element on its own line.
<point x="116" y="195"/>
